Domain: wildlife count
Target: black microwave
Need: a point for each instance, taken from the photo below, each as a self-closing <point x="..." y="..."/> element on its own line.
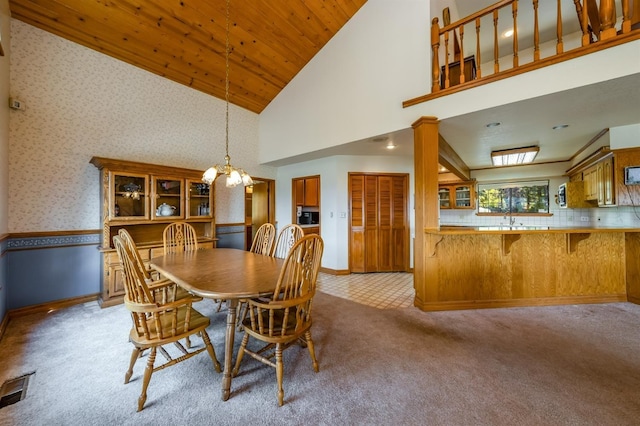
<point x="309" y="218"/>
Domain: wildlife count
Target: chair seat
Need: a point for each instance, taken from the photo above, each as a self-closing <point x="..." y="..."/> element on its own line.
<point x="197" y="322"/>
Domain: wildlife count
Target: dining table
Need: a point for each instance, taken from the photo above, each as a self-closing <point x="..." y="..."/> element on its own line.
<point x="222" y="274"/>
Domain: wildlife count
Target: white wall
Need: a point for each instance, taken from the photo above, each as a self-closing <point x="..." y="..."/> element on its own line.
<point x="5" y="32"/>
<point x="625" y="136"/>
<point x="334" y="197"/>
<point x="81" y="103"/>
<point x="354" y="87"/>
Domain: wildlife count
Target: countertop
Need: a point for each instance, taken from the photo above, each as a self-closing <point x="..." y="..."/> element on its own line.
<point x="452" y="230"/>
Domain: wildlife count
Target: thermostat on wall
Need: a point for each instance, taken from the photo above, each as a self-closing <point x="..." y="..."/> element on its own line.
<point x="15" y="103"/>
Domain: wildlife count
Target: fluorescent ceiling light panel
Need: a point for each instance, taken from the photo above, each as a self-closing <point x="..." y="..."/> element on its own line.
<point x="515" y="156"/>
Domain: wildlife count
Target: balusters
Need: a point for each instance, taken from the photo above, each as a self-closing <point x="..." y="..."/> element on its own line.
<point x="461" y="59"/>
<point x="536" y="32"/>
<point x="478" y="59"/>
<point x="607" y="19"/>
<point x="496" y="55"/>
<point x="435" y="45"/>
<point x="597" y="22"/>
<point x="446" y="60"/>
<point x="559" y="44"/>
<point x="626" y="16"/>
<point x="514" y="12"/>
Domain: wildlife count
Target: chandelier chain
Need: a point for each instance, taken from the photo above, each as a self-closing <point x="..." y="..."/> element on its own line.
<point x="226" y="84"/>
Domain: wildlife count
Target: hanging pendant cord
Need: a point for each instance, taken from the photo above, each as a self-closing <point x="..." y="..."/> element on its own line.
<point x="226" y="86"/>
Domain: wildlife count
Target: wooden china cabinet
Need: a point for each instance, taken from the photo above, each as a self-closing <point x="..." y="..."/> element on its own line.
<point x="144" y="198"/>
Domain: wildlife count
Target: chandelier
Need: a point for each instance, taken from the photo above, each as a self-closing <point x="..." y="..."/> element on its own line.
<point x="235" y="175"/>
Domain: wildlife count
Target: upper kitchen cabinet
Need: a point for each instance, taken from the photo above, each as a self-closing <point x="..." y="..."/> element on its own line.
<point x="460" y="195"/>
<point x="306" y="191"/>
<point x="598" y="175"/>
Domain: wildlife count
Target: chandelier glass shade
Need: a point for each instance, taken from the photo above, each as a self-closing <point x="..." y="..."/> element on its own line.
<point x="235" y="176"/>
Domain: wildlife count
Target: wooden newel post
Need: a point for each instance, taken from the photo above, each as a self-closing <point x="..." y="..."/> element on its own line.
<point x="435" y="45"/>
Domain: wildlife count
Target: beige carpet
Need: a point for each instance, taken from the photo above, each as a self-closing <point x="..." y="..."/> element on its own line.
<point x="566" y="365"/>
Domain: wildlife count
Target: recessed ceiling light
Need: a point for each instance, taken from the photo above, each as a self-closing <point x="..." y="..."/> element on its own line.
<point x="508" y="33"/>
<point x="560" y="126"/>
<point x="391" y="145"/>
<point x="495" y="124"/>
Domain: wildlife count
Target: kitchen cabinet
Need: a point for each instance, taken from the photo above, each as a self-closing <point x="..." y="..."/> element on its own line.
<point x="460" y="195"/>
<point x="307" y="191"/>
<point x="143" y="199"/>
<point x="605" y="182"/>
<point x="590" y="179"/>
<point x="598" y="175"/>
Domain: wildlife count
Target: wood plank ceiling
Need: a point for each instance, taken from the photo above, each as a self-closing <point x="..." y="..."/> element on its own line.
<point x="184" y="40"/>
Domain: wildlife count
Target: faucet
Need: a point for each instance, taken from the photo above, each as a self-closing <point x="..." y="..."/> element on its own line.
<point x="512" y="219"/>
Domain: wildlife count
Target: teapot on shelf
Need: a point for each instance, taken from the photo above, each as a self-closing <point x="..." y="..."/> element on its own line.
<point x="165" y="209"/>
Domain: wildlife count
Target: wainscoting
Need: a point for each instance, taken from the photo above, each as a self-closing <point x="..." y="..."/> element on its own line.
<point x="50" y="267"/>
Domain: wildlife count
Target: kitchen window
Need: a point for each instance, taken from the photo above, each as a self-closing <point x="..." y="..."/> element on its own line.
<point x="525" y="198"/>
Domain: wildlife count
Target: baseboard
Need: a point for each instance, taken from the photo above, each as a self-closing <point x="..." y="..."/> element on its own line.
<point x="51" y="306"/>
<point x="518" y="303"/>
<point x="335" y="271"/>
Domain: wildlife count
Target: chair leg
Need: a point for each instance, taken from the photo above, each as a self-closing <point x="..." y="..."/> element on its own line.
<point x="241" y="314"/>
<point x="243" y="345"/>
<point x="212" y="352"/>
<point x="147" y="378"/>
<point x="279" y="373"/>
<point x="312" y="352"/>
<point x="134" y="356"/>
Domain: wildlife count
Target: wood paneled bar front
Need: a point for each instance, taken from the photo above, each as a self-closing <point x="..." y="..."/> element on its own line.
<point x="491" y="267"/>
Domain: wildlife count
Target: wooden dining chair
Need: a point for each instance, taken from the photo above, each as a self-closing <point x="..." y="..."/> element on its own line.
<point x="157" y="323"/>
<point x="164" y="287"/>
<point x="263" y="240"/>
<point x="286" y="318"/>
<point x="179" y="237"/>
<point x="287" y="237"/>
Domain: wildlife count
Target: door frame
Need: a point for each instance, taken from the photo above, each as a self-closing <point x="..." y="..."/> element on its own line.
<point x="271" y="207"/>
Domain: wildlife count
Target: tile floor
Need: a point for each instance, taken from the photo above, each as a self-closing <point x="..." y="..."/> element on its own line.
<point x="380" y="290"/>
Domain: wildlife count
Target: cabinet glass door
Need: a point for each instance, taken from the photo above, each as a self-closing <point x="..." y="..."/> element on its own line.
<point x="463" y="196"/>
<point x="168" y="199"/>
<point x="128" y="196"/>
<point x="445" y="201"/>
<point x="198" y="199"/>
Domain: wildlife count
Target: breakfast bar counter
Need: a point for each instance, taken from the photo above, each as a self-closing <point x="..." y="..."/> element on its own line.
<point x="503" y="266"/>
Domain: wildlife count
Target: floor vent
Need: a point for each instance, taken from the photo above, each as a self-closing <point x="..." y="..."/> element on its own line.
<point x="14" y="390"/>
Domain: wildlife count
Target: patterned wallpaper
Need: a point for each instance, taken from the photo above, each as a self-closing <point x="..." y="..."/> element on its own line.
<point x="80" y="104"/>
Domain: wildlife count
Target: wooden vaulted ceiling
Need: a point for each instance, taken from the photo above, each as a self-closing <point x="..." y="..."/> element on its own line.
<point x="184" y="40"/>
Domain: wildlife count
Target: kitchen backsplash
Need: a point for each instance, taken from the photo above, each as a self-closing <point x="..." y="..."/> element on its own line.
<point x="594" y="217"/>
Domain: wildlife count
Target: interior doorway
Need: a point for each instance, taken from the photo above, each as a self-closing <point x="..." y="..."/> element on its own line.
<point x="259" y="207"/>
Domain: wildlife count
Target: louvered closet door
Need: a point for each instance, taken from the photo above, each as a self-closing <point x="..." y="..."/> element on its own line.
<point x="356" y="239"/>
<point x="379" y="223"/>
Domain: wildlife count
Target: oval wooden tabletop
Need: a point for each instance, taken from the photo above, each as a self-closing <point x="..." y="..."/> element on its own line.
<point x="221" y="273"/>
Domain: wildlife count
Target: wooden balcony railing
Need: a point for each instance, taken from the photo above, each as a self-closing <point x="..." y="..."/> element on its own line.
<point x="592" y="28"/>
